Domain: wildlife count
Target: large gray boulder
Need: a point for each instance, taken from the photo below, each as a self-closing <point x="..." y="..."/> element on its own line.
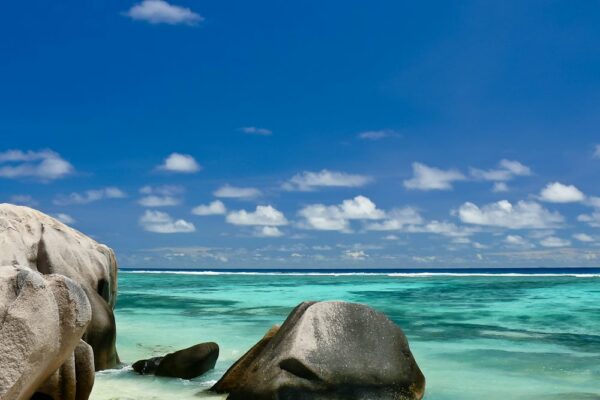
<point x="42" y="320"/>
<point x="328" y="351"/>
<point x="31" y="239"/>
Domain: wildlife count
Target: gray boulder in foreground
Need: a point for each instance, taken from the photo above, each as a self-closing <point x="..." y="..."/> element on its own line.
<point x="41" y="352"/>
<point x="31" y="239"/>
<point x="328" y="351"/>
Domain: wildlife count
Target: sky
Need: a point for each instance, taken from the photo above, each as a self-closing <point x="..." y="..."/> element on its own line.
<point x="383" y="134"/>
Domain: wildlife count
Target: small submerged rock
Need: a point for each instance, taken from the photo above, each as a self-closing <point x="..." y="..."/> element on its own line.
<point x="186" y="364"/>
<point x="327" y="351"/>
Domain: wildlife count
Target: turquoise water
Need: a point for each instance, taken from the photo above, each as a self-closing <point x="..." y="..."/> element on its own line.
<point x="474" y="337"/>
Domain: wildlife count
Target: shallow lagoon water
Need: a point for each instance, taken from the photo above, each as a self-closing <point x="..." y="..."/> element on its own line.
<point x="475" y="336"/>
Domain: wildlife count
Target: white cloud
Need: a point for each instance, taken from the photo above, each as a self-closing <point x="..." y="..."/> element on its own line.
<point x="506" y="171"/>
<point x="355" y="255"/>
<point x="44" y="165"/>
<point x="234" y="192"/>
<point x="23" y="199"/>
<point x="262" y="216"/>
<point x="430" y="178"/>
<point x="337" y="217"/>
<point x="391" y="237"/>
<point x="308" y="181"/>
<point x="253" y="130"/>
<point x="582" y="237"/>
<point x="377" y="135"/>
<point x="556" y="192"/>
<point x="592" y="219"/>
<point x="442" y="228"/>
<point x="517" y="241"/>
<point x="160" y="196"/>
<point x="180" y="163"/>
<point x="500" y="187"/>
<point x="90" y="196"/>
<point x="397" y="219"/>
<point x="553" y="241"/>
<point x="597" y="151"/>
<point x="522" y="215"/>
<point x="425" y="259"/>
<point x="268" y="231"/>
<point x="161" y="12"/>
<point x="593" y="202"/>
<point x="214" y="208"/>
<point x="160" y="222"/>
<point x="65" y="218"/>
<point x="159" y="201"/>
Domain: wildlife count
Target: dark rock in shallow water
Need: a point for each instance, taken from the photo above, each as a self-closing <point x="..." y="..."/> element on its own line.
<point x="146" y="367"/>
<point x="328" y="351"/>
<point x="189" y="363"/>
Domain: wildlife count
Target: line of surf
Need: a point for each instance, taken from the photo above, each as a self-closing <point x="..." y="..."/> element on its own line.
<point x="374" y="274"/>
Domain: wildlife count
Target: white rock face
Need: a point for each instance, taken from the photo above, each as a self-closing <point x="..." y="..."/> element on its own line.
<point x="34" y="240"/>
<point x="43" y="319"/>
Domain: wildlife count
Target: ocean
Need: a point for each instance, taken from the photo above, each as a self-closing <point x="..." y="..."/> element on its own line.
<point x="476" y="334"/>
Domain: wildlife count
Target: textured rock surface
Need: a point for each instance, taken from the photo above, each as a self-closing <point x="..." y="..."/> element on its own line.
<point x="31" y="239"/>
<point x="189" y="363"/>
<point x="328" y="350"/>
<point x="234" y="376"/>
<point x="43" y="319"/>
<point x="146" y="367"/>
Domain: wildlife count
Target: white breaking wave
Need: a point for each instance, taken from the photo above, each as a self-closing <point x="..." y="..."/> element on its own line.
<point x="389" y="274"/>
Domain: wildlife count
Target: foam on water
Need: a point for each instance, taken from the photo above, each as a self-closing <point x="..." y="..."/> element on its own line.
<point x="390" y="274"/>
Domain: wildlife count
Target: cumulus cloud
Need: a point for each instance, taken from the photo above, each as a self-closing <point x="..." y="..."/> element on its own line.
<point x="262" y="216"/>
<point x="309" y="181"/>
<point x="443" y="228"/>
<point x="161" y="12"/>
<point x="583" y="237"/>
<point x="431" y="178"/>
<point x="553" y="241"/>
<point x="180" y="163"/>
<point x="593" y="201"/>
<point x="160" y="196"/>
<point x="355" y="254"/>
<point x="65" y="218"/>
<point x="506" y="170"/>
<point x="337" y="217"/>
<point x="214" y="208"/>
<point x="160" y="222"/>
<point x="234" y="192"/>
<point x="44" y="165"/>
<point x="397" y="219"/>
<point x="517" y="241"/>
<point x="253" y="130"/>
<point x="522" y="215"/>
<point x="268" y="232"/>
<point x="23" y="200"/>
<point x="377" y="135"/>
<point x="500" y="187"/>
<point x="556" y="192"/>
<point x="90" y="196"/>
<point x="592" y="219"/>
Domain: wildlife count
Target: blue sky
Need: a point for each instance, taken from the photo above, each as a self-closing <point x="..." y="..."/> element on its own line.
<point x="216" y="134"/>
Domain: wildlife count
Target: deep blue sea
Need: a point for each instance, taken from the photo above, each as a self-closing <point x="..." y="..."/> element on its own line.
<point x="476" y="334"/>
